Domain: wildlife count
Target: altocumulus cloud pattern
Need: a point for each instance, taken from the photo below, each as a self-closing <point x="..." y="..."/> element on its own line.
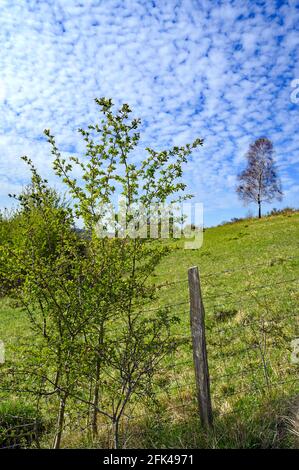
<point x="218" y="70"/>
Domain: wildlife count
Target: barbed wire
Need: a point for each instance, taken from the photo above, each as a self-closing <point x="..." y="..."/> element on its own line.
<point x="221" y="294"/>
<point x="255" y="388"/>
<point x="172" y="283"/>
<point x="254" y="298"/>
<point x="265" y="322"/>
<point x="249" y="267"/>
<point x="231" y="271"/>
<point x="251" y="288"/>
<point x="16" y="432"/>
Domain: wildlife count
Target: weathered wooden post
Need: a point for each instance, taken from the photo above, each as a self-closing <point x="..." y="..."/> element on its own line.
<point x="197" y="320"/>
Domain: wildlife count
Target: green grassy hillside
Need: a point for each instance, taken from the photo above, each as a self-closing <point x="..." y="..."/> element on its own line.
<point x="250" y="278"/>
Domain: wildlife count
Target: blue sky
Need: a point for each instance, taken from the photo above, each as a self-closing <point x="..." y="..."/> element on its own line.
<point x="221" y="71"/>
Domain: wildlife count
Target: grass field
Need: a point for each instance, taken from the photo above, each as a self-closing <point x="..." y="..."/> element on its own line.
<point x="250" y="278"/>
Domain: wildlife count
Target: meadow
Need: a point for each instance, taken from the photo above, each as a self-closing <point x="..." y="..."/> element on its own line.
<point x="249" y="272"/>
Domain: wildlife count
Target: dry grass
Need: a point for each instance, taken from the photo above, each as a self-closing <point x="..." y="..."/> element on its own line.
<point x="292" y="421"/>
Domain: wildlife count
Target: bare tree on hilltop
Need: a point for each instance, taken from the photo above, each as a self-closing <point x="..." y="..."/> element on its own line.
<point x="259" y="182"/>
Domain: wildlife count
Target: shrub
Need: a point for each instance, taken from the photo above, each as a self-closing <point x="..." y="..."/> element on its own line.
<point x="285" y="211"/>
<point x="20" y="424"/>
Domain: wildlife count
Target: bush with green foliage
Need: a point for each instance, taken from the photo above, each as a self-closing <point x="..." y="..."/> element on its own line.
<point x="14" y="235"/>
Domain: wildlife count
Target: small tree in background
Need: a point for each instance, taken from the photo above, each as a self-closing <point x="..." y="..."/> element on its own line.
<point x="259" y="181"/>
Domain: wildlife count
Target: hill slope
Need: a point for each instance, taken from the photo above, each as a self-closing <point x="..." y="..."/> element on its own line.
<point x="250" y="279"/>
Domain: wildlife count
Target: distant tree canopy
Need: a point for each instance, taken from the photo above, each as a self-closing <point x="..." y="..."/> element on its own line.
<point x="259" y="182"/>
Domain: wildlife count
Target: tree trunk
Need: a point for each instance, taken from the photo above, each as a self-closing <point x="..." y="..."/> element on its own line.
<point x="116" y="434"/>
<point x="260" y="209"/>
<point x="96" y="394"/>
<point x="60" y="422"/>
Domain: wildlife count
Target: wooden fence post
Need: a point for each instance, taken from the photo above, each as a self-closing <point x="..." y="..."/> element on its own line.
<point x="197" y="321"/>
